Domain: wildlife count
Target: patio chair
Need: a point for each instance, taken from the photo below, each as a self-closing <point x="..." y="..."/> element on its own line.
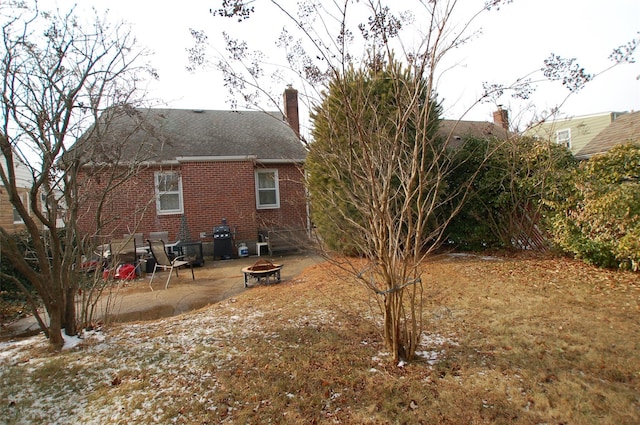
<point x="122" y="251"/>
<point x="163" y="262"/>
<point x="164" y="237"/>
<point x="137" y="237"/>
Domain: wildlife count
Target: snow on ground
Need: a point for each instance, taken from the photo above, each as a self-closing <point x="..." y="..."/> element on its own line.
<point x="141" y="352"/>
<point x="468" y="255"/>
<point x="11" y="350"/>
<point x="159" y="362"/>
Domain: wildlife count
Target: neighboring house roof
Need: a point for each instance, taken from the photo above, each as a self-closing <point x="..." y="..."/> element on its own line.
<point x="170" y="134"/>
<point x="457" y="130"/>
<point x="576" y="132"/>
<point x="625" y="129"/>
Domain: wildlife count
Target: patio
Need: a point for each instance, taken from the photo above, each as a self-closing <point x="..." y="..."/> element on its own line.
<point x="214" y="282"/>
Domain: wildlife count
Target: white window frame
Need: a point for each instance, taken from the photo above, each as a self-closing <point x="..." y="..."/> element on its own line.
<point x="159" y="210"/>
<point x="24" y="197"/>
<point x="43" y="203"/>
<point x="273" y="171"/>
<point x="564" y="141"/>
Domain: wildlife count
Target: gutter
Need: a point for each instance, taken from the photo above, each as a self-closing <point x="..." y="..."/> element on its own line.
<point x="182" y="159"/>
<point x="229" y="158"/>
<point x="280" y="161"/>
<point x="238" y="158"/>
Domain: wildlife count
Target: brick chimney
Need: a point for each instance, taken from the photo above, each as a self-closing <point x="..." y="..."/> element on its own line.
<point x="501" y="118"/>
<point x="291" y="109"/>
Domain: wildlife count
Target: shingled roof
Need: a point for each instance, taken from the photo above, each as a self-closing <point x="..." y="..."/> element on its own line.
<point x="171" y="134"/>
<point x="457" y="130"/>
<point x="624" y="129"/>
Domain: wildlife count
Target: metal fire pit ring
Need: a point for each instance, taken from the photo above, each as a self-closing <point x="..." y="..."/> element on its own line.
<point x="262" y="270"/>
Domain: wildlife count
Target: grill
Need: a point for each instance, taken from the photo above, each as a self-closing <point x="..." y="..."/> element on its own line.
<point x="222" y="241"/>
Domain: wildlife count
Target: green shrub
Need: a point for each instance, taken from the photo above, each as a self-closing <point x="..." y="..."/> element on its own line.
<point x="366" y="117"/>
<point x="510" y="203"/>
<point x="600" y="221"/>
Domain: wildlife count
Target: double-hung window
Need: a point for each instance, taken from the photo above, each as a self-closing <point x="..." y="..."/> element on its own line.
<point x="168" y="192"/>
<point x="17" y="218"/>
<point x="267" y="190"/>
<point x="563" y="137"/>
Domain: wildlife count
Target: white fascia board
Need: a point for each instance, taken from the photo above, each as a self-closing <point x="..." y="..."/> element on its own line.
<point x="230" y="158"/>
<point x="280" y="161"/>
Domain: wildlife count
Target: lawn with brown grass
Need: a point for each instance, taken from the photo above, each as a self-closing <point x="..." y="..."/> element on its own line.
<point x="513" y="340"/>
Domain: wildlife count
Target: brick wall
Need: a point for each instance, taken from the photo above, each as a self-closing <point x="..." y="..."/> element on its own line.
<point x="216" y="190"/>
<point x="126" y="210"/>
<point x="293" y="211"/>
<point x="211" y="191"/>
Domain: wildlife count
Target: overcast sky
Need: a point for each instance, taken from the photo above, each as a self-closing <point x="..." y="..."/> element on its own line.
<point x="514" y="42"/>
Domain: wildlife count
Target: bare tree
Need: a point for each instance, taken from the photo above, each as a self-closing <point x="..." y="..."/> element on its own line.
<point x="385" y="171"/>
<point x="379" y="166"/>
<point x="59" y="76"/>
<point x="377" y="153"/>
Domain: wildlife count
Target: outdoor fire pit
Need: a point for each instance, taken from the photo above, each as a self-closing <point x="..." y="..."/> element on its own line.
<point x="262" y="271"/>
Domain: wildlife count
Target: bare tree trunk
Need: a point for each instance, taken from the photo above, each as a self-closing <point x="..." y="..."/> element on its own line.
<point x="69" y="320"/>
<point x="61" y="81"/>
<point x="393" y="326"/>
<point x="55" y="310"/>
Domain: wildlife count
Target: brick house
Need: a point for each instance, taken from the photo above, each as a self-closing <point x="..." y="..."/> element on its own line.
<point x="194" y="168"/>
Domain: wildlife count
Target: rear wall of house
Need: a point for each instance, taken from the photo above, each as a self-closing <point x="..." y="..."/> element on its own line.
<point x="211" y="191"/>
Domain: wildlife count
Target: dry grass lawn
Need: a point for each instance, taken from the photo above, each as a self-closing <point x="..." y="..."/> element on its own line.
<point x="509" y="339"/>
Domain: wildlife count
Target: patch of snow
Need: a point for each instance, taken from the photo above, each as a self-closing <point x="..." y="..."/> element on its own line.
<point x="10" y="350"/>
<point x="431" y="357"/>
<point x="467" y="255"/>
<point x="430" y="341"/>
<point x="70" y="341"/>
<point x="379" y="358"/>
<point x="435" y="339"/>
